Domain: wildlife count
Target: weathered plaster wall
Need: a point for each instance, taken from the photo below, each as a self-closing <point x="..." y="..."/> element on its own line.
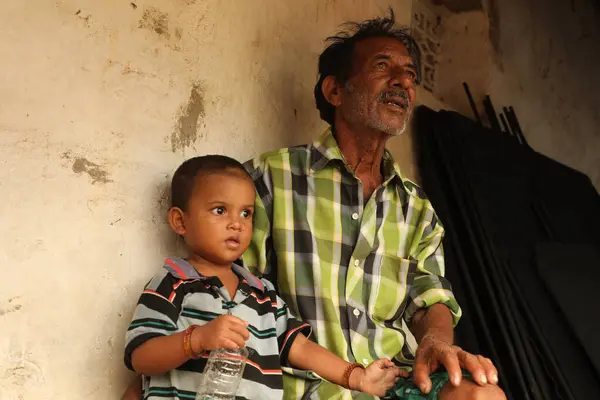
<point x="547" y="60"/>
<point x="540" y="57"/>
<point x="99" y="102"/>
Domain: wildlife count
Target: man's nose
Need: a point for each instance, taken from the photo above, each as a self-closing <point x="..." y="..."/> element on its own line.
<point x="400" y="78"/>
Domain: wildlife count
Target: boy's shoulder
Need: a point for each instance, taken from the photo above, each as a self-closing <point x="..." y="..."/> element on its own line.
<point x="269" y="287"/>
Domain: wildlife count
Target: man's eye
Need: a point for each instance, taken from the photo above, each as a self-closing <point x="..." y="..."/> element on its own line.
<point x="411" y="74"/>
<point x="218" y="210"/>
<point x="381" y="65"/>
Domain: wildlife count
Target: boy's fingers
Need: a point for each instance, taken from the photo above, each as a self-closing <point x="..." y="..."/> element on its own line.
<point x="237" y="339"/>
<point x="230" y="344"/>
<point x="235" y="320"/>
<point x="240" y="330"/>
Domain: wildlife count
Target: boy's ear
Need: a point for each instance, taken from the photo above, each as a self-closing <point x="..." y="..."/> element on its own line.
<point x="332" y="91"/>
<point x="177" y="220"/>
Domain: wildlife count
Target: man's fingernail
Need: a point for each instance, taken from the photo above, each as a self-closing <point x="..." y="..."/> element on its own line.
<point x="423" y="388"/>
<point x="456" y="381"/>
<point x="494" y="378"/>
<point x="483" y="379"/>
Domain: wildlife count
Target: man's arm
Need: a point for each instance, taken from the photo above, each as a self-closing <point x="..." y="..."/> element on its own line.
<point x="433" y="312"/>
<point x="433" y="330"/>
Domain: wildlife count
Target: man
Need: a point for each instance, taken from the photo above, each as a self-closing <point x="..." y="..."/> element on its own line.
<point x="353" y="246"/>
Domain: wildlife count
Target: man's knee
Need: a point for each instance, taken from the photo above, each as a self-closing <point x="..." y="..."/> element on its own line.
<point x="469" y="390"/>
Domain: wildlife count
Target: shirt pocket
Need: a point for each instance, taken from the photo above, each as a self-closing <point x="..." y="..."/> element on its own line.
<point x="390" y="287"/>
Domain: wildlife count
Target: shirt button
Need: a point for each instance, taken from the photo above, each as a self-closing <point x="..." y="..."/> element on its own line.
<point x="365" y="361"/>
<point x="355" y="216"/>
<point x="357" y="262"/>
<point x="356" y="312"/>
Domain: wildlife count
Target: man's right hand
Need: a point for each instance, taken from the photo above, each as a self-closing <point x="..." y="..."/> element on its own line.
<point x="225" y="331"/>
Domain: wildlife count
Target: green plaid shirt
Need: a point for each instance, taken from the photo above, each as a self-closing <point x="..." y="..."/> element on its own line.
<point x="356" y="271"/>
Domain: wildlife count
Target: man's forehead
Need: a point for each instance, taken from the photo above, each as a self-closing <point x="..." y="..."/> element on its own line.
<point x="371" y="47"/>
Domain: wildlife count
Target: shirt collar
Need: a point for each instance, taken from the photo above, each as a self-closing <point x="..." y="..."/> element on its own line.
<point x="325" y="149"/>
<point x="182" y="269"/>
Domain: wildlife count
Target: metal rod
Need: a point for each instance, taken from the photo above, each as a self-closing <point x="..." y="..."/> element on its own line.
<point x="505" y="124"/>
<point x="514" y="115"/>
<point x="491" y="113"/>
<point x="512" y="124"/>
<point x="472" y="102"/>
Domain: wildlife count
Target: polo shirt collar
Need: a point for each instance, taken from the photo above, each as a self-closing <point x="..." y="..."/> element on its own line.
<point x="182" y="269"/>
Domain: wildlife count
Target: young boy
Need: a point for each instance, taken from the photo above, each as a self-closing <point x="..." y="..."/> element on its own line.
<point x="211" y="301"/>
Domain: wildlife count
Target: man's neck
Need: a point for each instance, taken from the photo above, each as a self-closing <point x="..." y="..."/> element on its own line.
<point x="363" y="150"/>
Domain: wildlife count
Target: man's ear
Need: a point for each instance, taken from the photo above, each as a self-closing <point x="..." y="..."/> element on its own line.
<point x="177" y="220"/>
<point x="332" y="91"/>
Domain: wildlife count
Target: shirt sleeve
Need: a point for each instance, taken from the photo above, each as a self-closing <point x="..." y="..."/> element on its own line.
<point x="156" y="313"/>
<point x="288" y="328"/>
<point x="429" y="286"/>
<point x="258" y="258"/>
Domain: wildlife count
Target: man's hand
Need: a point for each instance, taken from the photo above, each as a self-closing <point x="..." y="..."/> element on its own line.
<point x="434" y="352"/>
<point x="226" y="331"/>
<point x="378" y="377"/>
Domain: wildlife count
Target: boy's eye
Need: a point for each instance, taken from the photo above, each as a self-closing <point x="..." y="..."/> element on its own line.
<point x="218" y="210"/>
<point x="246" y="214"/>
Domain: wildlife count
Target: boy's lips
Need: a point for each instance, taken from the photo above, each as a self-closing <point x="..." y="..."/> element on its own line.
<point x="233" y="241"/>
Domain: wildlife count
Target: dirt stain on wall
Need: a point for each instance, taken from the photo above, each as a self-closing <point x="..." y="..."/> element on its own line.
<point x="95" y="171"/>
<point x="155" y="20"/>
<point x="186" y="130"/>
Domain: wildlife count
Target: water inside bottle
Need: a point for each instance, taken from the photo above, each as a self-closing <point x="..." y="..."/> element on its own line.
<point x="222" y="374"/>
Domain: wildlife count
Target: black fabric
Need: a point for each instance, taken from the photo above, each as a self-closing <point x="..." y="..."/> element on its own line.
<point x="571" y="273"/>
<point x="498" y="200"/>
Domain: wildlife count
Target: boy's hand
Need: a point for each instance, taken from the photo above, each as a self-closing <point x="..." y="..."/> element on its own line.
<point x="225" y="331"/>
<point x="379" y="376"/>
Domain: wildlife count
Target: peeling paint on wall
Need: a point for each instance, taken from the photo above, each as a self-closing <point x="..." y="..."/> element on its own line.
<point x="186" y="131"/>
<point x="95" y="171"/>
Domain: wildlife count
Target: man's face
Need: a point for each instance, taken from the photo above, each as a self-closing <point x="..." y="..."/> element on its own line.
<point x="380" y="91"/>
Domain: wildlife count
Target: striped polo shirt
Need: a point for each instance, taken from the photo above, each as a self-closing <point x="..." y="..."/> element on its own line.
<point x="178" y="296"/>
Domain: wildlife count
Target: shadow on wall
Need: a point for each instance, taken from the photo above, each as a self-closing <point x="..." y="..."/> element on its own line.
<point x="286" y="73"/>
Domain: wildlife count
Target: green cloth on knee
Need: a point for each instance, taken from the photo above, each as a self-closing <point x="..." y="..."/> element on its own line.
<point x="405" y="389"/>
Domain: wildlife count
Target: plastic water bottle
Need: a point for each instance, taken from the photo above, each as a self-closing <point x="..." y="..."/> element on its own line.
<point x="223" y="374"/>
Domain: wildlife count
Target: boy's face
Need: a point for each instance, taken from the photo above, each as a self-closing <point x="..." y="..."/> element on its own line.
<point x="217" y="225"/>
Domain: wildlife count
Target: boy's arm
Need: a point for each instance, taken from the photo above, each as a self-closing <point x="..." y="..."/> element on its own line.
<point x="297" y="351"/>
<point x="162" y="354"/>
<point x="307" y="355"/>
<point x="376" y="379"/>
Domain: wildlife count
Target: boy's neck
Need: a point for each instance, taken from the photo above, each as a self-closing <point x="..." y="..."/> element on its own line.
<point x="224" y="272"/>
<point x="208" y="268"/>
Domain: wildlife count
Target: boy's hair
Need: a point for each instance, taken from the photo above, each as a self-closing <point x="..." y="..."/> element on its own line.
<point x="185" y="176"/>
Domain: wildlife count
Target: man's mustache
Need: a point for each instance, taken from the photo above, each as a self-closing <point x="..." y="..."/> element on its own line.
<point x="402" y="94"/>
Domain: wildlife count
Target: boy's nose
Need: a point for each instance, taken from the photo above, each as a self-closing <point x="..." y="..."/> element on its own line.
<point x="235" y="224"/>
